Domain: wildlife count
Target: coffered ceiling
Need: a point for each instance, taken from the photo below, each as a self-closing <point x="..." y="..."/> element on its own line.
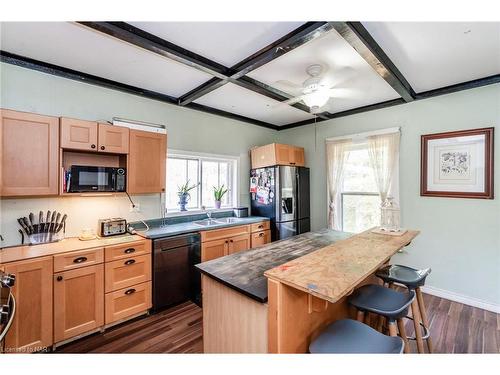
<point x="250" y="70"/>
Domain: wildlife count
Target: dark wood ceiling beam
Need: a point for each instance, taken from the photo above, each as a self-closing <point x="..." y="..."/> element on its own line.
<point x="460" y="87"/>
<point x="59" y="71"/>
<point x="360" y="39"/>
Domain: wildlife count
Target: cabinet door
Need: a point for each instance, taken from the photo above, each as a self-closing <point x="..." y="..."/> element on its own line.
<point x="239" y="243"/>
<point x="32" y="326"/>
<point x="297" y="156"/>
<point x="147" y="162"/>
<point x="78" y="134"/>
<point x="127" y="302"/>
<point x="282" y="154"/>
<point x="79" y="297"/>
<point x="261" y="238"/>
<point x="263" y="156"/>
<point x="127" y="272"/>
<point x="29" y="154"/>
<point x="113" y="139"/>
<point x="214" y="249"/>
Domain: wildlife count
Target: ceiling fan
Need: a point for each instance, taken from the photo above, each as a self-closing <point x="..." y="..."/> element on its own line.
<point x="314" y="91"/>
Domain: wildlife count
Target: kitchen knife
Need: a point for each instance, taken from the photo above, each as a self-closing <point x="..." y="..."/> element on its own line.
<point x="40" y="222"/>
<point x="51" y="225"/>
<point x="26" y="222"/>
<point x="32" y="221"/>
<point x="46" y="225"/>
<point x="61" y="225"/>
<point x="56" y="224"/>
<point x="21" y="223"/>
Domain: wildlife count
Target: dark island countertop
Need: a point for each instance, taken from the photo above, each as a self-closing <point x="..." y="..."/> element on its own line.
<point x="244" y="271"/>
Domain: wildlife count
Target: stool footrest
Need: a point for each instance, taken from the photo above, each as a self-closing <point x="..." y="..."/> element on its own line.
<point x="427" y="332"/>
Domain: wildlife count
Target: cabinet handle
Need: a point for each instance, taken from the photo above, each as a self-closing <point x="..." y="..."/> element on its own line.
<point x="261" y="235"/>
<point x="227" y="241"/>
<point x="260" y="226"/>
<point x="292" y="163"/>
<point x="230" y="240"/>
<point x="129" y="262"/>
<point x="59" y="278"/>
<point x="130" y="291"/>
<point x="92" y="145"/>
<point x="102" y="147"/>
<point x="130" y="250"/>
<point x="79" y="260"/>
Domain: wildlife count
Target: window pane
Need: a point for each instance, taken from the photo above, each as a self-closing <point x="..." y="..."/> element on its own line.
<point x="210" y="178"/>
<point x="360" y="212"/>
<point x="358" y="173"/>
<point x="179" y="171"/>
<point x="224" y="180"/>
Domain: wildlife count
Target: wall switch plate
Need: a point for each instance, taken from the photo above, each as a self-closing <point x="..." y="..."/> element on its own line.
<point x="135" y="208"/>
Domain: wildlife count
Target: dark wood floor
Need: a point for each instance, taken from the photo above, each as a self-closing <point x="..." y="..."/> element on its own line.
<point x="455" y="328"/>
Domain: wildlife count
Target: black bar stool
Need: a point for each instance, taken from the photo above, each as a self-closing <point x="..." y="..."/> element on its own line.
<point x="350" y="336"/>
<point x="413" y="279"/>
<point x="386" y="302"/>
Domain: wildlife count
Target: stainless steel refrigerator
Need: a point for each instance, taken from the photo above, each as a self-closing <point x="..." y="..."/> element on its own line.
<point x="281" y="193"/>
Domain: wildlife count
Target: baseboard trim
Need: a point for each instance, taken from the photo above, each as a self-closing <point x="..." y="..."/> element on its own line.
<point x="466" y="300"/>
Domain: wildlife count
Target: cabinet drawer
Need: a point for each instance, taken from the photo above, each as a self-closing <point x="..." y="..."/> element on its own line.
<point x="257" y="227"/>
<point x="127" y="250"/>
<point x="77" y="259"/>
<point x="127" y="272"/>
<point x="261" y="238"/>
<point x="127" y="302"/>
<point x="217" y="234"/>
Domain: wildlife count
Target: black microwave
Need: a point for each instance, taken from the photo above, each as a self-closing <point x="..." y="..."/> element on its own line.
<point x="83" y="179"/>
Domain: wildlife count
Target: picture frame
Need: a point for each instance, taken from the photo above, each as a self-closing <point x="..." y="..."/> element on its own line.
<point x="457" y="164"/>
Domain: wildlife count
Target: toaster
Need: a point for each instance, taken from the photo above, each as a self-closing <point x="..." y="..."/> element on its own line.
<point x="111" y="227"/>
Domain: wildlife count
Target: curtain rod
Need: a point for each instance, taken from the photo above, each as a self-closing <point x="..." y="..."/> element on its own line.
<point x="365" y="134"/>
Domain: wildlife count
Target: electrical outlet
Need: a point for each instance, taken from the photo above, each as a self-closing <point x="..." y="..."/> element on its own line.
<point x="135" y="208"/>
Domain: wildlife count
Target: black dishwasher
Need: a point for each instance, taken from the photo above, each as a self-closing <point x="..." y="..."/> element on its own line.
<point x="175" y="279"/>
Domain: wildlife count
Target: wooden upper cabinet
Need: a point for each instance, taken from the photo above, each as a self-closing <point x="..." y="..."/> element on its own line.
<point x="147" y="162"/>
<point x="29" y="154"/>
<point x="79" y="297"/>
<point x="32" y="326"/>
<point x="78" y="134"/>
<point x="113" y="139"/>
<point x="277" y="154"/>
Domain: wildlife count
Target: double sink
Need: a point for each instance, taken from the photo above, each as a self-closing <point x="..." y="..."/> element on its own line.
<point x="223" y="220"/>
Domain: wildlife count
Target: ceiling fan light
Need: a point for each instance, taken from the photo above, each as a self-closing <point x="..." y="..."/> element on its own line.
<point x="316" y="99"/>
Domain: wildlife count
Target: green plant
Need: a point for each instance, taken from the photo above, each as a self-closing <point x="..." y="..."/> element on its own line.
<point x="219" y="192"/>
<point x="185" y="189"/>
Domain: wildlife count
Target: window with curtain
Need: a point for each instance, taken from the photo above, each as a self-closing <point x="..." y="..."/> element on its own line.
<point x="361" y="175"/>
<point x="205" y="172"/>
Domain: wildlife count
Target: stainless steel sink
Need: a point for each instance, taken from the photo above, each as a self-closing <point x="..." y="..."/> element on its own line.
<point x="229" y="220"/>
<point x="206" y="222"/>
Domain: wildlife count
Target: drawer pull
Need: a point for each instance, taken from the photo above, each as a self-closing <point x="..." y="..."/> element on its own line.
<point x="130" y="291"/>
<point x="129" y="262"/>
<point x="59" y="278"/>
<point x="129" y="250"/>
<point x="260" y="226"/>
<point x="261" y="234"/>
<point x="80" y="260"/>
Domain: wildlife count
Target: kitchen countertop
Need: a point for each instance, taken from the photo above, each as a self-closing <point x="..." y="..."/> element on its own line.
<point x="244" y="271"/>
<point x="335" y="270"/>
<point x="12" y="254"/>
<point x="157" y="230"/>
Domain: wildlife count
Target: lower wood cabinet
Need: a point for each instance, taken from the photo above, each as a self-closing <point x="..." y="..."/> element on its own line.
<point x="238" y="243"/>
<point x="213" y="249"/>
<point x="127" y="272"/>
<point x="126" y="302"/>
<point x="79" y="297"/>
<point x="261" y="238"/>
<point x="32" y="326"/>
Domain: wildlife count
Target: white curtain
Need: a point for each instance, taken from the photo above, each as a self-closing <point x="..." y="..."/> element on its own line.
<point x="384" y="158"/>
<point x="337" y="153"/>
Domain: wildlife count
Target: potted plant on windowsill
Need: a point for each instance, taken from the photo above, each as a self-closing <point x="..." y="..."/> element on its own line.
<point x="218" y="195"/>
<point x="183" y="194"/>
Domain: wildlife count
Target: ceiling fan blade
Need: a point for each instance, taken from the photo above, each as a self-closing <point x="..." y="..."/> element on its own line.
<point x="347" y="93"/>
<point x="288" y="85"/>
<point x="294" y="100"/>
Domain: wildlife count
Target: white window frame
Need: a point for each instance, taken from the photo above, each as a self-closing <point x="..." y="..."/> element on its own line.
<point x="234" y="178"/>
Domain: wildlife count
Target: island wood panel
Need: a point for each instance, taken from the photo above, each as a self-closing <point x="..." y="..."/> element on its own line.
<point x="31" y="329"/>
<point x="29" y="154"/>
<point x="232" y="323"/>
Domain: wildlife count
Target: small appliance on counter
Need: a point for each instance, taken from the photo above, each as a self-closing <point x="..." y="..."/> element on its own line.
<point x="240" y="211"/>
<point x="112" y="227"/>
<point x="50" y="229"/>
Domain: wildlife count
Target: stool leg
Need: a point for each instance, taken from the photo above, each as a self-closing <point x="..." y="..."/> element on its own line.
<point x="368" y="319"/>
<point x="402" y="333"/>
<point x="380" y="323"/>
<point x="423" y="313"/>
<point x="360" y="317"/>
<point x="392" y="328"/>
<point x="416" y="323"/>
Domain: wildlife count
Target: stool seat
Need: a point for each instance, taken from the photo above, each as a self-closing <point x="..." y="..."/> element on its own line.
<point x="408" y="276"/>
<point x="351" y="336"/>
<point x="383" y="301"/>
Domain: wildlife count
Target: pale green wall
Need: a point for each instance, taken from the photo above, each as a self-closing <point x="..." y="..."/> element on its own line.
<point x="31" y="91"/>
<point x="460" y="238"/>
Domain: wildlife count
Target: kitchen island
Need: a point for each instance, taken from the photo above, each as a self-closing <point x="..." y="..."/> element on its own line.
<point x="276" y="298"/>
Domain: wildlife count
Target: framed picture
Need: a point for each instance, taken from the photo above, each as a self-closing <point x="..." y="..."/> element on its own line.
<point x="457" y="164"/>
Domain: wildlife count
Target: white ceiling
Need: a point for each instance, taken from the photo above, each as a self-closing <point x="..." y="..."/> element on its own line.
<point x="76" y="47"/>
<point x="224" y="42"/>
<point x="346" y="70"/>
<point x="235" y="99"/>
<point x="436" y="54"/>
